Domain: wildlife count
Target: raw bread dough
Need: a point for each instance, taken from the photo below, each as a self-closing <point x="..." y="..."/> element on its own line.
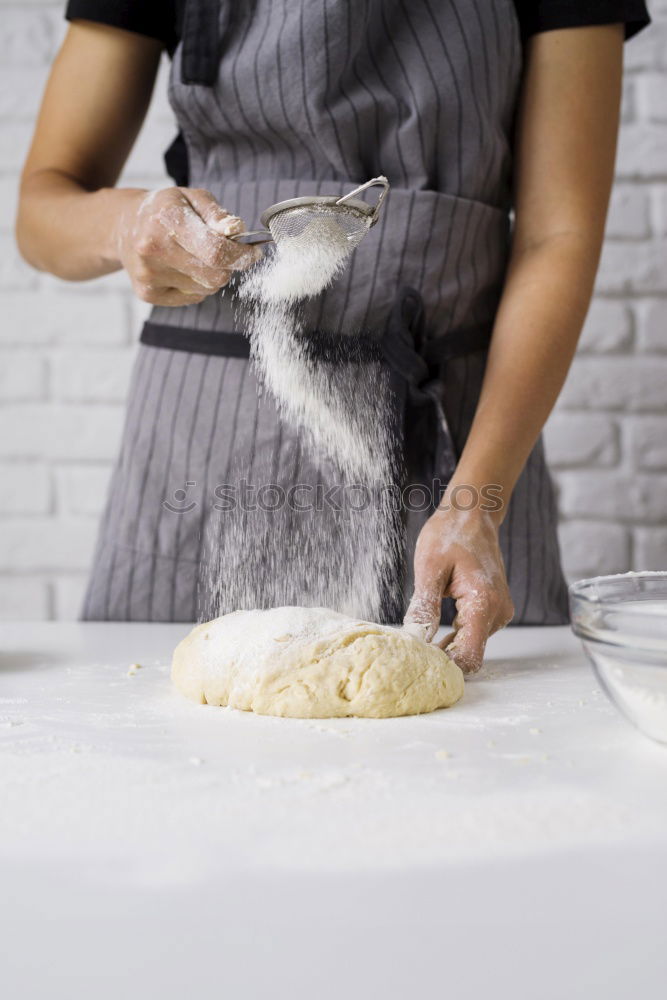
<point x="313" y="663"/>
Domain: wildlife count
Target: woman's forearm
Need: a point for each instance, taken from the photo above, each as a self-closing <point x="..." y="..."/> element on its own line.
<point x="565" y="140"/>
<point x="67" y="230"/>
<point x="174" y="243"/>
<point x="566" y="132"/>
<point x="544" y="303"/>
<point x="94" y="104"/>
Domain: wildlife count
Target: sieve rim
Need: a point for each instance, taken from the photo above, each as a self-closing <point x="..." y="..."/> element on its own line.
<point x="354" y="204"/>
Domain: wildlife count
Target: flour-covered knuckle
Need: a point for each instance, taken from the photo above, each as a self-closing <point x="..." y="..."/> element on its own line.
<point x="313" y="663"/>
<point x="214" y="215"/>
<point x="225" y="253"/>
<point x="227" y="225"/>
<point x="186" y="226"/>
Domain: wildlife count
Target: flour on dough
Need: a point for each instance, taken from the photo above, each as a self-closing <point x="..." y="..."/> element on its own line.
<point x="313" y="663"/>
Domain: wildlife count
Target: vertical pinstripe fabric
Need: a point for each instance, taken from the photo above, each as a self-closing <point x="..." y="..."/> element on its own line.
<point x="97" y="602"/>
<point x="323" y="94"/>
<point x="312" y="97"/>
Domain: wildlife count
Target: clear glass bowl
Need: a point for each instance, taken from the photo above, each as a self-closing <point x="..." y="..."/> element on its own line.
<point x="622" y="623"/>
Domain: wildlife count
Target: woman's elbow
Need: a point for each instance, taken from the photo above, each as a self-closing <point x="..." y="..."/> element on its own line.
<point x="28" y="226"/>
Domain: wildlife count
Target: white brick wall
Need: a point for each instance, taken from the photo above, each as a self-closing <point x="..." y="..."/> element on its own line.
<point x="65" y="354"/>
<point x="66" y="351"/>
<point x="608" y="437"/>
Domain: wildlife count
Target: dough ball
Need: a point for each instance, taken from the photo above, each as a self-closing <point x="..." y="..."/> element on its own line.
<point x="312" y="663"/>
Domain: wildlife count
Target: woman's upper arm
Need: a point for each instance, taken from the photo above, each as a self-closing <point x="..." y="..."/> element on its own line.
<point x="566" y="133"/>
<point x="94" y="104"/>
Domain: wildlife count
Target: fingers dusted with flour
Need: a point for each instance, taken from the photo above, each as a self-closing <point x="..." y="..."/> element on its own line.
<point x="481" y="609"/>
<point x="458" y="556"/>
<point x="175" y="245"/>
<point x="423" y="615"/>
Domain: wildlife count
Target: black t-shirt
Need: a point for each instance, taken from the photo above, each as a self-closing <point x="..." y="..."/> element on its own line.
<point x="159" y="19"/>
<point x="547" y="15"/>
<point x="162" y="19"/>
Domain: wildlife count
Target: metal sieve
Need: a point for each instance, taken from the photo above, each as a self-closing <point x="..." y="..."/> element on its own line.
<point x="288" y="219"/>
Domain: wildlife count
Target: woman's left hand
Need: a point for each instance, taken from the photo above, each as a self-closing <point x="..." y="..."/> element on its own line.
<point x="458" y="555"/>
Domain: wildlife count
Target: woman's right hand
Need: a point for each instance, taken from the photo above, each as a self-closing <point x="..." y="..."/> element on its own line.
<point x="458" y="555"/>
<point x="174" y="245"/>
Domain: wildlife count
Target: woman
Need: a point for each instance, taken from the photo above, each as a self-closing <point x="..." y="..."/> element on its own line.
<point x="472" y="109"/>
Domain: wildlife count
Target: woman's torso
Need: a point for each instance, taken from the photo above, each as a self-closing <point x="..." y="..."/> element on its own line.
<point x="315" y="97"/>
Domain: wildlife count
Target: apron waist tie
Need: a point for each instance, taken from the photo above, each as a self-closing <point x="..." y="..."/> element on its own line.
<point x="417" y="366"/>
<point x="175" y="338"/>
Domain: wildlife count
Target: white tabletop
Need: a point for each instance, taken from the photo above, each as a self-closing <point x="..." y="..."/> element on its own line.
<point x="512" y="846"/>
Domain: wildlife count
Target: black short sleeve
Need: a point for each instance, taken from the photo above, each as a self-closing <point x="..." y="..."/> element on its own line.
<point x="153" y="18"/>
<point x="548" y="15"/>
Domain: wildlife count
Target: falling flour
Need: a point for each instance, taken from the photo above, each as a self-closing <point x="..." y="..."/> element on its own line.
<point x="332" y="399"/>
<point x="333" y="391"/>
<point x="303" y="265"/>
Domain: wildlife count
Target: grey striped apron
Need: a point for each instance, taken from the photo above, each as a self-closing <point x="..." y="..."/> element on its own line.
<point x="279" y="98"/>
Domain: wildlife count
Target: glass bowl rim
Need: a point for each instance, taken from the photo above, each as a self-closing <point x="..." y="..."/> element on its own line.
<point x="579" y="590"/>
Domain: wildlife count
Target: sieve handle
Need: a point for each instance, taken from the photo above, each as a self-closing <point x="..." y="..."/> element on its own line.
<point x="255" y="236"/>
<point x="380" y="181"/>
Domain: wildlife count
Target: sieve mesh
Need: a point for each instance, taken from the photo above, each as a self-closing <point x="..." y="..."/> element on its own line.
<point x="337" y="223"/>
